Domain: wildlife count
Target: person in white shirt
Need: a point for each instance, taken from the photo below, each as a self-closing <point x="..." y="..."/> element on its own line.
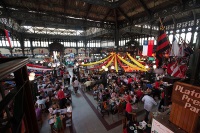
<point x="42" y="102"/>
<point x="75" y="85"/>
<point x="148" y="105"/>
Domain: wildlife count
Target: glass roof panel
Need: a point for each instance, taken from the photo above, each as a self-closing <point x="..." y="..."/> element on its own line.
<point x="52" y="31"/>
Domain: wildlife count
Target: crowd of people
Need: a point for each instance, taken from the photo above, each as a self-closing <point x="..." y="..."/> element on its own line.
<point x="114" y="93"/>
<point x="124" y="91"/>
<point x="54" y="97"/>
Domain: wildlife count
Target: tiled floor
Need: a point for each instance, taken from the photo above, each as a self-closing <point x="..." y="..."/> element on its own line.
<point x="86" y="118"/>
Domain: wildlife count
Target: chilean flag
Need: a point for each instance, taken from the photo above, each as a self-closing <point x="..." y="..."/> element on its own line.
<point x="145" y="48"/>
<point x="8" y="37"/>
<point x="150" y="47"/>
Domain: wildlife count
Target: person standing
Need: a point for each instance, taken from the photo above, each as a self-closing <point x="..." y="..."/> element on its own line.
<point x="61" y="97"/>
<point x="75" y="85"/>
<point x="68" y="77"/>
<point x="148" y="105"/>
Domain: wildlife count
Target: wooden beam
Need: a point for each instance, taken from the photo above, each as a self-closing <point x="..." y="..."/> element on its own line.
<point x="145" y="7"/>
<point x="88" y="11"/>
<point x="124" y="14"/>
<point x="108" y="13"/>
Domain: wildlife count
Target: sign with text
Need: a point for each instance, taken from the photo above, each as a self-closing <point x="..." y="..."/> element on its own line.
<point x="157" y="127"/>
<point x="187" y="95"/>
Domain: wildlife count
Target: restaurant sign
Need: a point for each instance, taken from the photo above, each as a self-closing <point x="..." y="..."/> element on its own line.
<point x="187" y="96"/>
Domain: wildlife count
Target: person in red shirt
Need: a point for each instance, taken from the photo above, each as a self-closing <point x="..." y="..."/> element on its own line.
<point x="157" y="84"/>
<point x="61" y="97"/>
<point x="128" y="110"/>
<point x="127" y="96"/>
<point x="139" y="94"/>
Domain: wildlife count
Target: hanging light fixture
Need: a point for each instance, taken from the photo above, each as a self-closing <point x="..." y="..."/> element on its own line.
<point x="106" y="69"/>
<point x="32" y="74"/>
<point x="146" y="66"/>
<point x="154" y="66"/>
<point x="112" y="67"/>
<point x="31" y="78"/>
<point x="103" y="67"/>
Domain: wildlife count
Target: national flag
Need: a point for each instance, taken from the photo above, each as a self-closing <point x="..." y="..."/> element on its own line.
<point x="150" y="47"/>
<point x="170" y="67"/>
<point x="179" y="71"/>
<point x="175" y="48"/>
<point x="7" y="33"/>
<point x="145" y="48"/>
<point x="162" y="46"/>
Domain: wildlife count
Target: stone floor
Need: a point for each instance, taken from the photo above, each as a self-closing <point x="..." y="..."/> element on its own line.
<point x="87" y="119"/>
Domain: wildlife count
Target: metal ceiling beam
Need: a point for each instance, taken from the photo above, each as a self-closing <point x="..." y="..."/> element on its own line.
<point x="49" y="19"/>
<point x="88" y="11"/>
<point x="145" y="7"/>
<point x="170" y="10"/>
<point x="124" y="14"/>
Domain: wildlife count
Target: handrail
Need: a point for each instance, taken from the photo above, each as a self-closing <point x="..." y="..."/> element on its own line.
<point x="6" y="100"/>
<point x="11" y="66"/>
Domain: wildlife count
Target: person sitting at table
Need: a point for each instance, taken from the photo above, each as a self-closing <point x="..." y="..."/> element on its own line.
<point x="67" y="94"/>
<point x="41" y="102"/>
<point x="57" y="122"/>
<point x="69" y="110"/>
<point x="133" y="98"/>
<point x="107" y="93"/>
<point x="113" y="94"/>
<point x="55" y="105"/>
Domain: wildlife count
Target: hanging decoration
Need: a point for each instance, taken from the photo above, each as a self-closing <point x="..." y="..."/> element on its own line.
<point x="115" y="59"/>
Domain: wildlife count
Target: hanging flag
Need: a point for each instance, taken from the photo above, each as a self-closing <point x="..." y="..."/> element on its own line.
<point x="7" y="33"/>
<point x="170" y="67"/>
<point x="150" y="47"/>
<point x="175" y="48"/>
<point x="181" y="50"/>
<point x="179" y="71"/>
<point x="145" y="48"/>
<point x="162" y="46"/>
